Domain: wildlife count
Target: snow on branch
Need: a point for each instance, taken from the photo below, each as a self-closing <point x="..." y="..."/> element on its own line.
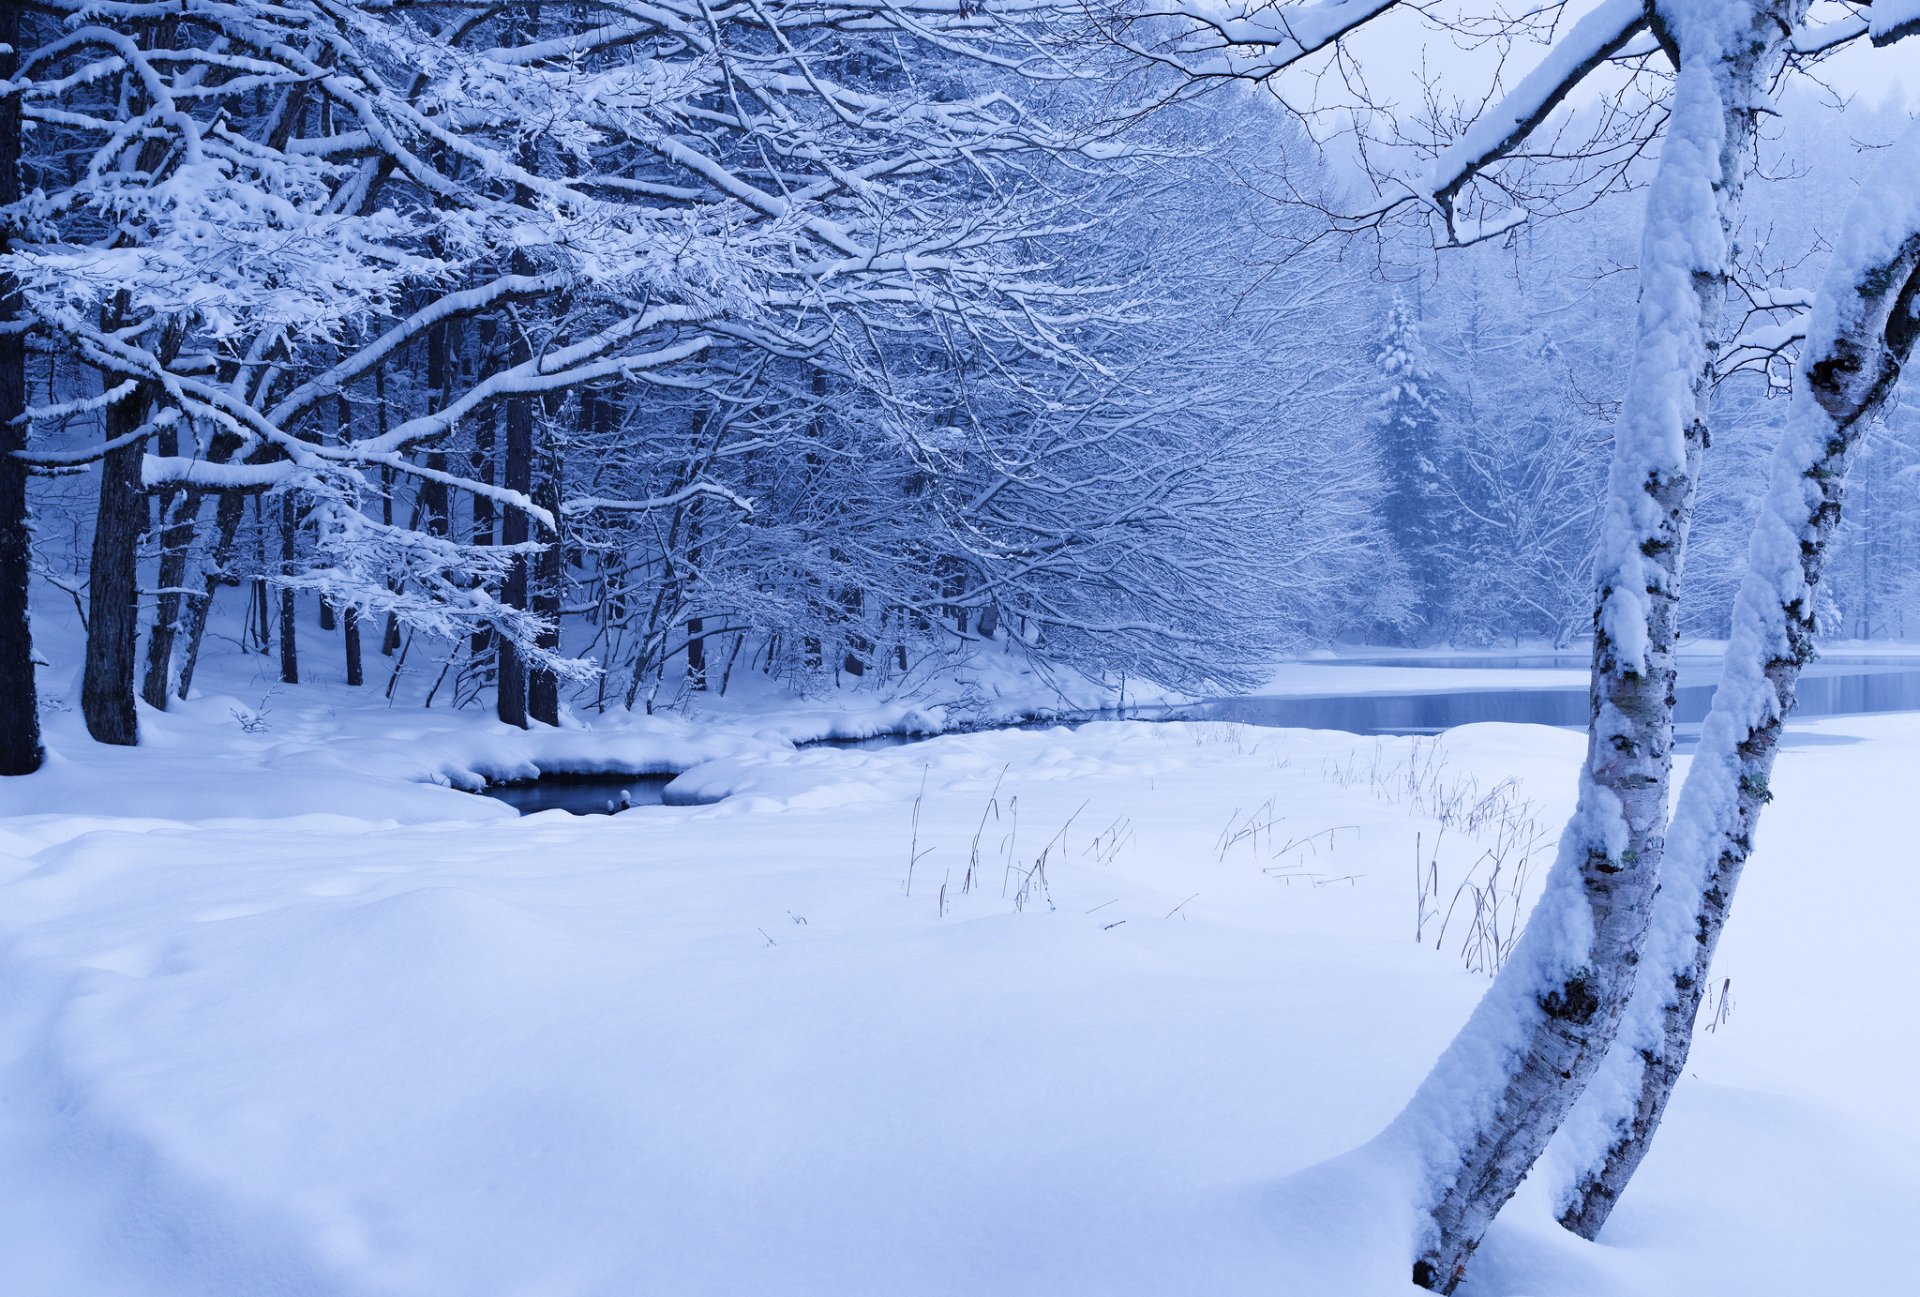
<point x="1893" y="20"/>
<point x="697" y="490"/>
<point x="1597" y="37"/>
<point x="1254" y="42"/>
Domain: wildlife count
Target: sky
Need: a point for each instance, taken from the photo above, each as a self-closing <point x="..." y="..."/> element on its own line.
<point x="1395" y="49"/>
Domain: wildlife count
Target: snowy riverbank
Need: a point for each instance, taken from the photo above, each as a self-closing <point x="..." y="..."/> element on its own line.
<point x="279" y="1021"/>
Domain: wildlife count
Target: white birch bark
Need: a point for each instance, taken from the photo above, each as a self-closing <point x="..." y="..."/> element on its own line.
<point x="1497" y="1095"/>
<point x="1862" y="332"/>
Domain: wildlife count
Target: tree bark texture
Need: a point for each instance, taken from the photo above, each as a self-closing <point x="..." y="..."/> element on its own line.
<point x="289" y="643"/>
<point x="517" y="475"/>
<point x="20" y="749"/>
<point x="181" y="510"/>
<point x="106" y="692"/>
<point x="1862" y="334"/>
<point x="1547" y="1022"/>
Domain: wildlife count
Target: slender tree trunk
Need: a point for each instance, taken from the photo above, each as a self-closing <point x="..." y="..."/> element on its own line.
<point x="113" y="603"/>
<point x="390" y="632"/>
<point x="350" y="632"/>
<point x="697" y="654"/>
<point x="20" y="750"/>
<point x="259" y="604"/>
<point x="1543" y="1028"/>
<point x="289" y="649"/>
<point x="518" y="476"/>
<point x="1863" y="332"/>
<point x="543" y="686"/>
<point x="696" y="626"/>
<point x="481" y="467"/>
<point x="182" y="511"/>
<point x="227" y="517"/>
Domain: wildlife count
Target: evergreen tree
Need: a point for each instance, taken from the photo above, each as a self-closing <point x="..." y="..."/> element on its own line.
<point x="1410" y="435"/>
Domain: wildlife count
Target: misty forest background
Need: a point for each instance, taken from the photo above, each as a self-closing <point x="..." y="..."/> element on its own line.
<point x="601" y="393"/>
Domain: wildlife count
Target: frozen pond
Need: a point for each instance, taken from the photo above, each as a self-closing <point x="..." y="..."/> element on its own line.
<point x="1836" y="686"/>
<point x="1378" y="695"/>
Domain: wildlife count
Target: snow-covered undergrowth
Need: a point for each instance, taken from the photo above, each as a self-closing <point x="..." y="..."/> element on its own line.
<point x="278" y="1020"/>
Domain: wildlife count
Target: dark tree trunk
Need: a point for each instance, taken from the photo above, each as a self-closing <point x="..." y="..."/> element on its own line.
<point x="543" y="686"/>
<point x="113" y="610"/>
<point x="390" y="633"/>
<point x="696" y="626"/>
<point x="350" y="631"/>
<point x="518" y="474"/>
<point x="289" y="649"/>
<point x="697" y="654"/>
<point x="482" y="467"/>
<point x="259" y="603"/>
<point x="20" y="751"/>
<point x="853" y="604"/>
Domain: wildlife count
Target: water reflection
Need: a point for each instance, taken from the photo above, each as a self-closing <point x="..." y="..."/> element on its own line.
<point x="1832" y="687"/>
<point x="582" y="794"/>
<point x="1836" y="686"/>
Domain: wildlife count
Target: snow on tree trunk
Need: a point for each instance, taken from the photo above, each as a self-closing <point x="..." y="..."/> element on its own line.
<point x="181" y="509"/>
<point x="1495" y="1098"/>
<point x="1862" y="332"/>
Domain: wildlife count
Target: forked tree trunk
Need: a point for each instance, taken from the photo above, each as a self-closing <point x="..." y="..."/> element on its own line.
<point x="1544" y="1026"/>
<point x="227" y="517"/>
<point x="1863" y="332"/>
<point x="182" y="510"/>
<point x="20" y="751"/>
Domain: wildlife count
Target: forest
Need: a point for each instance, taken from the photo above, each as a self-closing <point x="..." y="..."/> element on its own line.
<point x="1443" y="443"/>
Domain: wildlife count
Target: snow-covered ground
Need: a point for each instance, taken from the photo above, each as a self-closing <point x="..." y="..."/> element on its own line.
<point x="278" y="1020"/>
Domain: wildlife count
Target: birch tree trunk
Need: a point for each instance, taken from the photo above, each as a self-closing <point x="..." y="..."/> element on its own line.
<point x="1488" y="1109"/>
<point x="1862" y="333"/>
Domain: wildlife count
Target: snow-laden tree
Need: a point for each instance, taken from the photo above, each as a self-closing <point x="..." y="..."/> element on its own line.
<point x="1414" y="450"/>
<point x="1528" y="340"/>
<point x="280" y="235"/>
<point x="639" y="343"/>
<point x="1503" y="1088"/>
<point x="1148" y="501"/>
